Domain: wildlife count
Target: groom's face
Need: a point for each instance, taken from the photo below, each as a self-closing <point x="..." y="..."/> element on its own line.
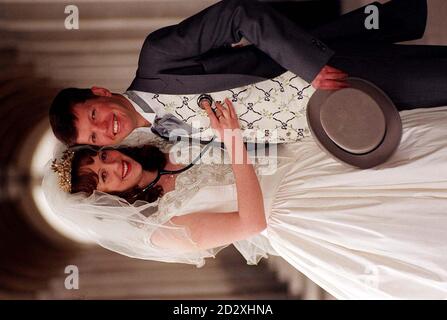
<point x="105" y="120"/>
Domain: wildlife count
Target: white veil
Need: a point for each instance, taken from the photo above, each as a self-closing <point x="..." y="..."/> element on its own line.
<point x="117" y="225"/>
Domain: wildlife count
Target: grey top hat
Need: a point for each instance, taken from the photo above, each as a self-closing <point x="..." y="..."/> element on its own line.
<point x="358" y="125"/>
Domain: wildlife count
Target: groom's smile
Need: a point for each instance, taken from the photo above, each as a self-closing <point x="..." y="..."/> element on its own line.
<point x="116" y="126"/>
<point x="101" y="124"/>
<point x="105" y="120"/>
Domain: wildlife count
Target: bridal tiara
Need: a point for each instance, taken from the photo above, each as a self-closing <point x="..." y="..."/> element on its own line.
<point x="63" y="170"/>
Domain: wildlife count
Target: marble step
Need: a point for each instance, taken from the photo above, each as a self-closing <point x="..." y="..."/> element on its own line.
<point x="8" y="57"/>
<point x="155" y="267"/>
<point x="81" y="46"/>
<point x="269" y="295"/>
<point x="54" y="30"/>
<point x="166" y="277"/>
<point x="110" y="77"/>
<point x="160" y="291"/>
<point x="14" y="71"/>
<point x="92" y="9"/>
<point x="138" y="295"/>
<point x="97" y="255"/>
<point x="7" y="88"/>
<point x="70" y="59"/>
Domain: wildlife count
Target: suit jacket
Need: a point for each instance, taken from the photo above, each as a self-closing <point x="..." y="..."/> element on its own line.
<point x="197" y="56"/>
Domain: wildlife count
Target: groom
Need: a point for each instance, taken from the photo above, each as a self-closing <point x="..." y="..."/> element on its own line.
<point x="236" y="43"/>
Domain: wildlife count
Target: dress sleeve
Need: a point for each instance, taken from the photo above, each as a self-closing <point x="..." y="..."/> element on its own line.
<point x="133" y="237"/>
<point x="173" y="243"/>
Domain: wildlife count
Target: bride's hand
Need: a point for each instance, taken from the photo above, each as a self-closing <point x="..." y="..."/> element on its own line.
<point x="224" y="121"/>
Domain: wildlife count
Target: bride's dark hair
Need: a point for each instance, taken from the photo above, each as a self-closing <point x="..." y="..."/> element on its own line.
<point x="150" y="157"/>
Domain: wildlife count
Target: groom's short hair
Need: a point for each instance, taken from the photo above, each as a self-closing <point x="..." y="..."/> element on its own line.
<point x="62" y="117"/>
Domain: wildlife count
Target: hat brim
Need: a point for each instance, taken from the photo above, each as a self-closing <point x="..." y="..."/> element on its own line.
<point x="370" y="159"/>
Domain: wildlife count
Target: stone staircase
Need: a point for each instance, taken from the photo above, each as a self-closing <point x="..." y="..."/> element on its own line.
<point x="105" y="275"/>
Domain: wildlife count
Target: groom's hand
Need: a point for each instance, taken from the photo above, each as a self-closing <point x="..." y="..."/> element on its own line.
<point x="330" y="78"/>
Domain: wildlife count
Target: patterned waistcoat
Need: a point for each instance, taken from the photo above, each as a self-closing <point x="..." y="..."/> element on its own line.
<point x="273" y="110"/>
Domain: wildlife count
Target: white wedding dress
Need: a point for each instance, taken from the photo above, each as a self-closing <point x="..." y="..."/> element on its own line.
<point x="379" y="233"/>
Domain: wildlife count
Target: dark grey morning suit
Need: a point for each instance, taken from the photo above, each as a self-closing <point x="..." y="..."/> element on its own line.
<point x="196" y="56"/>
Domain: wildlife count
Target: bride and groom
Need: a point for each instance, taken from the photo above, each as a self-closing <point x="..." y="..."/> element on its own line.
<point x="376" y="233"/>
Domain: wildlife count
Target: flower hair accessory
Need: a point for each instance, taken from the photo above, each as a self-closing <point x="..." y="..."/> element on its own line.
<point x="63" y="170"/>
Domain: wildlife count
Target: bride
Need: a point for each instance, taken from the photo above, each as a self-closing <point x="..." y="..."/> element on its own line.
<point x="359" y="234"/>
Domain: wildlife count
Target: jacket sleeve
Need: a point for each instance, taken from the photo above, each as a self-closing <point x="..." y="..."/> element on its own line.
<point x="225" y="23"/>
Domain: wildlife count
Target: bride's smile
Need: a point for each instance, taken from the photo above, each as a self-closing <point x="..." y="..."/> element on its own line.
<point x="117" y="172"/>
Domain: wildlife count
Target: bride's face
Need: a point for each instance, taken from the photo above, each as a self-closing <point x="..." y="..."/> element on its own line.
<point x="116" y="171"/>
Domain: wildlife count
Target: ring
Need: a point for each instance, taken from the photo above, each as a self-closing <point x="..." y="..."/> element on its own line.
<point x="206" y="97"/>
